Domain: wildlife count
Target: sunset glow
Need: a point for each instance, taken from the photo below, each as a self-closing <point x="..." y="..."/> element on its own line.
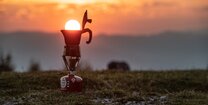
<point x="72" y="25"/>
<point x="130" y="17"/>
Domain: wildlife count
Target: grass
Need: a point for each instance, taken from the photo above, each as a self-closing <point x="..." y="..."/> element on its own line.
<point x="107" y="87"/>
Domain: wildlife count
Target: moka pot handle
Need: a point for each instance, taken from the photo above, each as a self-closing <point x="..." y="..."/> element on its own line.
<point x="90" y="34"/>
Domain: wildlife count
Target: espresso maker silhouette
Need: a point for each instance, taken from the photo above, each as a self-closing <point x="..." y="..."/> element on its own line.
<point x="71" y="56"/>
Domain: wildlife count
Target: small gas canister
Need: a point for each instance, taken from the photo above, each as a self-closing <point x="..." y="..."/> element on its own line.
<point x="71" y="83"/>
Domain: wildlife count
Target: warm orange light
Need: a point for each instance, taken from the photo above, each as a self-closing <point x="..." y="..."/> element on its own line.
<point x="72" y="25"/>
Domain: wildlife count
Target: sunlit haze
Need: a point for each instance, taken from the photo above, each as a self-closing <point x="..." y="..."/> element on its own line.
<point x="148" y="34"/>
<point x="72" y="25"/>
<point x="132" y="17"/>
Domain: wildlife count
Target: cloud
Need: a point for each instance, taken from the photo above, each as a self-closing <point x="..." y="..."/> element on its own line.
<point x="202" y="9"/>
<point x="1" y="12"/>
<point x="123" y="16"/>
<point x="159" y="4"/>
<point x="155" y="4"/>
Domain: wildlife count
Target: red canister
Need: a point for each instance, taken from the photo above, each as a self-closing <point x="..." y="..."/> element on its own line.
<point x="71" y="83"/>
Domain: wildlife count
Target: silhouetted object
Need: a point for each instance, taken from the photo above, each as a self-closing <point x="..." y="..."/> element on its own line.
<point x="6" y="63"/>
<point x="207" y="67"/>
<point x="34" y="66"/>
<point x="71" y="56"/>
<point x="85" y="20"/>
<point x="116" y="65"/>
<point x="72" y="40"/>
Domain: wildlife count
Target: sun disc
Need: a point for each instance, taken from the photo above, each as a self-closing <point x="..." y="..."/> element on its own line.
<point x="72" y="25"/>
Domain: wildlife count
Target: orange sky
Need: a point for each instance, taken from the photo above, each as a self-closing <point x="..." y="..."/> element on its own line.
<point x="109" y="16"/>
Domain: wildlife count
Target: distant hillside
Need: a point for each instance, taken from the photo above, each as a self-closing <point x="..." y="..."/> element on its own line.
<point x="168" y="50"/>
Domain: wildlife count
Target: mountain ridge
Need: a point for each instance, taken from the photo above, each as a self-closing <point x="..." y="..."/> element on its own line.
<point x="167" y="50"/>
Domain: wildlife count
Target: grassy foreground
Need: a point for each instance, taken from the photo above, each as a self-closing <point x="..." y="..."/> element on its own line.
<point x="107" y="88"/>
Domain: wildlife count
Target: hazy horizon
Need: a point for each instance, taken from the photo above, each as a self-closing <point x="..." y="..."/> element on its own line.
<point x="147" y="34"/>
<point x="167" y="50"/>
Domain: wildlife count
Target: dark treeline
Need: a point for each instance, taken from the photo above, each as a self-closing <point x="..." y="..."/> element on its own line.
<point x="6" y="64"/>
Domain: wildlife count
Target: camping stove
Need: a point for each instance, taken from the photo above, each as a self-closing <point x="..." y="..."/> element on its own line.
<point x="71" y="55"/>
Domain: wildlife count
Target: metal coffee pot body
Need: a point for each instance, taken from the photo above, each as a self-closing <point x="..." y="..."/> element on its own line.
<point x="71" y="56"/>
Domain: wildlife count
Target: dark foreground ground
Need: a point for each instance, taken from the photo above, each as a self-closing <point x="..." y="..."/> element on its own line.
<point x="107" y="88"/>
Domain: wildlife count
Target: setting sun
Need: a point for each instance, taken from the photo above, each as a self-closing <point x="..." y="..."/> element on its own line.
<point x="72" y="25"/>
